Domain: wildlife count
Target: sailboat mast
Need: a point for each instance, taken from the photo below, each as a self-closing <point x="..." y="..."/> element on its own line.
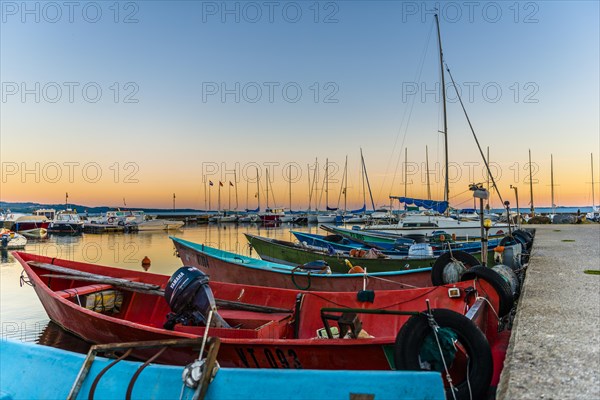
<point x="290" y="182"/>
<point x="204" y="192"/>
<point x="443" y="89"/>
<point x="552" y="181"/>
<point x="593" y="198"/>
<point x="326" y="184"/>
<point x="236" y="191"/>
<point x="364" y="189"/>
<point x="258" y="188"/>
<point x="367" y="179"/>
<point x="346" y="185"/>
<point x="315" y="188"/>
<point x="531" y="186"/>
<point x="405" y="169"/>
<point x="267" y="174"/>
<point x="427" y="172"/>
<point x="309" y="186"/>
<point x="488" y="178"/>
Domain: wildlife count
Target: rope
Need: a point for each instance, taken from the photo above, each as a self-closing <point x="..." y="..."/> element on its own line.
<point x="391" y="281"/>
<point x="296" y="284"/>
<point x="468" y="381"/>
<point x="24" y="279"/>
<point x="485" y="299"/>
<point x="434" y="327"/>
<point x="490" y="304"/>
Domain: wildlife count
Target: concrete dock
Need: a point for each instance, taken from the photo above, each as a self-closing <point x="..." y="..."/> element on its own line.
<point x="554" y="351"/>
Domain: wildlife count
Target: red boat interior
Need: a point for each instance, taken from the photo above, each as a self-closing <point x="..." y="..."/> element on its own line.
<point x="293" y="319"/>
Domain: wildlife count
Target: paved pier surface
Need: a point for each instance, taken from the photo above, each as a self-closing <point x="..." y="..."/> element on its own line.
<point x="555" y="345"/>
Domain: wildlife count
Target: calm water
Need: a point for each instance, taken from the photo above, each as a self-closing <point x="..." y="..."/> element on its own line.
<point x="22" y="316"/>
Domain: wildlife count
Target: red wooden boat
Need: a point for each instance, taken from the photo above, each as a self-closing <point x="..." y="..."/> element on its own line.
<point x="223" y="266"/>
<point x="288" y="327"/>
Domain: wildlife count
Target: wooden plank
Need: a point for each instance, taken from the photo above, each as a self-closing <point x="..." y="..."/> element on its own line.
<point x="68" y="273"/>
<point x="82" y="274"/>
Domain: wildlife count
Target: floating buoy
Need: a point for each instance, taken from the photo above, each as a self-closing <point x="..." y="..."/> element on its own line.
<point x="353" y="269"/>
<point x="146" y="263"/>
<point x="356" y="270"/>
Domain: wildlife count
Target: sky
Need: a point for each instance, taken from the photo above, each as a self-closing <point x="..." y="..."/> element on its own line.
<point x="131" y="102"/>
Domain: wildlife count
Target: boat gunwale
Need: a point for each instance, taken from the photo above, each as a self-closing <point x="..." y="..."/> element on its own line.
<point x="287" y="269"/>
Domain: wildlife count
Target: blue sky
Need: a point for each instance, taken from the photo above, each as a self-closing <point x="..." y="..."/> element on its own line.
<point x="354" y="66"/>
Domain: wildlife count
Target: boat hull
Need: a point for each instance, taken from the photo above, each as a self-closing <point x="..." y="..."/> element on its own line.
<point x="296" y="255"/>
<point x="467" y="232"/>
<point x="66" y="228"/>
<point x="269" y="217"/>
<point x="164" y="381"/>
<point x="236" y="269"/>
<point x="278" y="340"/>
<point x="33" y="229"/>
<point x="159" y="225"/>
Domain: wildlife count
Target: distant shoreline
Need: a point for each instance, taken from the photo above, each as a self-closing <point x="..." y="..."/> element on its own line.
<point x="29" y="207"/>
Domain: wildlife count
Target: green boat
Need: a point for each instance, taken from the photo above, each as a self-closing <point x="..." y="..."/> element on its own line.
<point x="289" y="253"/>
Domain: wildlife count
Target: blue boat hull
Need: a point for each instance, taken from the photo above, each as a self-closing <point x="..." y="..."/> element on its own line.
<point x="30" y="371"/>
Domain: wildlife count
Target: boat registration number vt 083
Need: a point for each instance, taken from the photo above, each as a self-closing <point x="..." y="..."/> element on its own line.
<point x="268" y="358"/>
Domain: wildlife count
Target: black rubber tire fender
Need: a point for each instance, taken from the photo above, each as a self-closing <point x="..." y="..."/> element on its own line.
<point x="411" y="336"/>
<point x="505" y="295"/>
<point x="437" y="270"/>
<point x="525" y="237"/>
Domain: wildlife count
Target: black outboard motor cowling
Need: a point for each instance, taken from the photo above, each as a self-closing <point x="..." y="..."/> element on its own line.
<point x="191" y="299"/>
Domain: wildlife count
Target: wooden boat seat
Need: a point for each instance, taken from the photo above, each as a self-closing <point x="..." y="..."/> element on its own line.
<point x="68" y="293"/>
<point x="249" y="325"/>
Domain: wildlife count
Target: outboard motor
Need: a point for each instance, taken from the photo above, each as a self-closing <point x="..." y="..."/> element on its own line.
<point x="191" y="300"/>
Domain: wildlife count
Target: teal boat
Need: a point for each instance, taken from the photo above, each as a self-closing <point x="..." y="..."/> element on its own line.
<point x="32" y="371"/>
<point x="223" y="266"/>
<point x="289" y="253"/>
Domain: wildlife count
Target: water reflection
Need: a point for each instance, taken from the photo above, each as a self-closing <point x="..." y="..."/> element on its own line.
<point x="53" y="335"/>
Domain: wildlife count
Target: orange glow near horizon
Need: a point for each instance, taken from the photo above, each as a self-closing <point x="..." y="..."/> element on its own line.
<point x="154" y="188"/>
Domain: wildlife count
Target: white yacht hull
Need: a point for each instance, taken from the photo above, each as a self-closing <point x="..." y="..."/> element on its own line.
<point x="466" y="230"/>
<point x="159" y="225"/>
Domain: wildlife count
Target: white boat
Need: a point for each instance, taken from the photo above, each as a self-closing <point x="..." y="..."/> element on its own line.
<point x="137" y="219"/>
<point x="356" y="219"/>
<point x="34" y="226"/>
<point x="328" y="218"/>
<point x="249" y="218"/>
<point x="424" y="224"/>
<point x="227" y="218"/>
<point x="287" y="216"/>
<point x="119" y="217"/>
<point x="383" y="215"/>
<point x="10" y="240"/>
<point x="155" y="224"/>
<point x="311" y="218"/>
<point x="67" y="221"/>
